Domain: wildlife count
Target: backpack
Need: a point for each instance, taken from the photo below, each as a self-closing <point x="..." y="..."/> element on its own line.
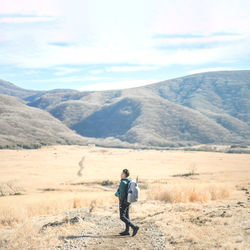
<point x="133" y="191"/>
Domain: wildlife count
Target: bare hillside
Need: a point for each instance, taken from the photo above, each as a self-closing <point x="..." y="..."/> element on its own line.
<point x="22" y="125"/>
<point x="202" y="108"/>
<point x="205" y="108"/>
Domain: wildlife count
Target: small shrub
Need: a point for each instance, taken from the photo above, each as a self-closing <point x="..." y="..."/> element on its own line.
<point x="76" y="203"/>
<point x="192" y="171"/>
<point x="107" y="183"/>
<point x="143" y="186"/>
<point x="238" y="146"/>
<point x="185" y="174"/>
<point x="238" y="151"/>
<point x="92" y="206"/>
<point x="31" y="146"/>
<point x="49" y="189"/>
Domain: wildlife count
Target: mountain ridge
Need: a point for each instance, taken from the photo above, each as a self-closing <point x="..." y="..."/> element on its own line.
<point x="202" y="108"/>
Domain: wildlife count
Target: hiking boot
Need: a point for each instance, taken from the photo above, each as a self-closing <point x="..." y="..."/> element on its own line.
<point x="124" y="233"/>
<point x="135" y="230"/>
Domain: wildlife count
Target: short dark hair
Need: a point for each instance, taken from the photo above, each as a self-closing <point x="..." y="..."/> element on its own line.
<point x="126" y="172"/>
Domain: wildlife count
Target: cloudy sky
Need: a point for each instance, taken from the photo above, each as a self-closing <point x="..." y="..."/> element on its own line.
<point x="110" y="44"/>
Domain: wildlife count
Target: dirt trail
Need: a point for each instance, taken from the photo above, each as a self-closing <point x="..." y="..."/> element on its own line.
<point x="216" y="225"/>
<point x="104" y="235"/>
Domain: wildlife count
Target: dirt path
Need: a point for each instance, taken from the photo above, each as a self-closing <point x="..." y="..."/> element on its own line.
<point x="104" y="235"/>
<point x="215" y="225"/>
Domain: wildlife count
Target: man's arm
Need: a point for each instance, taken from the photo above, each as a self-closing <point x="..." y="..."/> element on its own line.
<point x="117" y="192"/>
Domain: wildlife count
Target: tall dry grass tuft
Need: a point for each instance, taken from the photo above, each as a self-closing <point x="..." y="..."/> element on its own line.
<point x="188" y="192"/>
<point x="27" y="236"/>
<point x="10" y="188"/>
<point x="13" y="215"/>
<point x="76" y="203"/>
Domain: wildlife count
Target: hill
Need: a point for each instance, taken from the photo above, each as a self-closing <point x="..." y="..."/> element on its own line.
<point x="8" y="88"/>
<point x="205" y="108"/>
<point x="213" y="93"/>
<point x="24" y="126"/>
<point x="202" y="108"/>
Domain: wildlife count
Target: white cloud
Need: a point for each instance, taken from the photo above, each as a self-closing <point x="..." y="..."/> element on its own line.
<point x="203" y="40"/>
<point x="31" y="7"/>
<point x="201" y="70"/>
<point x="96" y="71"/>
<point x="130" y="68"/>
<point x="25" y="19"/>
<point x="116" y="85"/>
<point x="72" y="79"/>
<point x="65" y="71"/>
<point x="104" y="35"/>
<point x="51" y="57"/>
<point x="111" y="33"/>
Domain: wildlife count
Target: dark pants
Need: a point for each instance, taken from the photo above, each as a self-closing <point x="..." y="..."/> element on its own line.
<point x="124" y="216"/>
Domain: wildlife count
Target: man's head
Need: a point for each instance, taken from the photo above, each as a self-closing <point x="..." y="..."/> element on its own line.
<point x="125" y="173"/>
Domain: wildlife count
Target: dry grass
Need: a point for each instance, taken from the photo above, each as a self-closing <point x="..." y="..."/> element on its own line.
<point x="10" y="188"/>
<point x="28" y="236"/>
<point x="11" y="214"/>
<point x="51" y="166"/>
<point x="188" y="192"/>
<point x="55" y="168"/>
<point x="48" y="175"/>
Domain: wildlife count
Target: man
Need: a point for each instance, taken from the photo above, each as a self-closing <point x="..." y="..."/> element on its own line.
<point x="122" y="193"/>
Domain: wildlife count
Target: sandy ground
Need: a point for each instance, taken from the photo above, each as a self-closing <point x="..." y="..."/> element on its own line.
<point x="51" y="185"/>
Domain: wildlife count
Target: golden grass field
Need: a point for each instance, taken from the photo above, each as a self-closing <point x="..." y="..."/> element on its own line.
<point x="177" y="187"/>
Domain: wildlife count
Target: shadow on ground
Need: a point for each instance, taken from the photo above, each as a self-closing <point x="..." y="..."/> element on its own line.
<point x="72" y="237"/>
